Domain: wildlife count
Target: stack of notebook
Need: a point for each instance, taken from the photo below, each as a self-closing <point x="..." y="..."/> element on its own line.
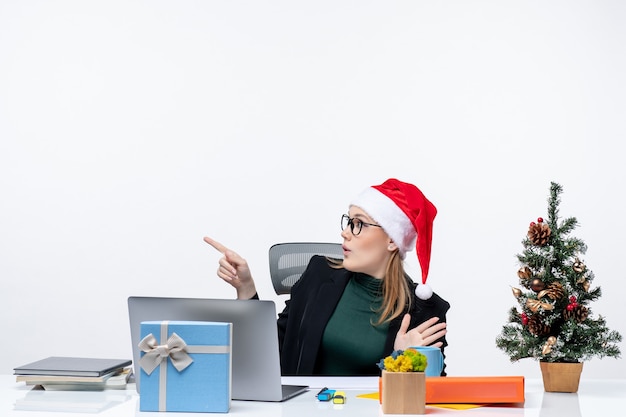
<point x="70" y="373"/>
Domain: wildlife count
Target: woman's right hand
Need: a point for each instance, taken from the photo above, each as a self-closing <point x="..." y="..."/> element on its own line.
<point x="426" y="334"/>
<point x="234" y="270"/>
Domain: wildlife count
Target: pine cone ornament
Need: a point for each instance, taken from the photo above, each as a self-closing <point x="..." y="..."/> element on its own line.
<point x="539" y="233"/>
<point x="554" y="291"/>
<point x="581" y="313"/>
<point x="536" y="325"/>
<point x="578" y="313"/>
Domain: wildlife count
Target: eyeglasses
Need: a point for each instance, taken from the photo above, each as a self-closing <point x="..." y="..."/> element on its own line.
<point x="355" y="224"/>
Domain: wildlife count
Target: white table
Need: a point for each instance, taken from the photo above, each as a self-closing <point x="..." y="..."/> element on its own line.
<point x="606" y="398"/>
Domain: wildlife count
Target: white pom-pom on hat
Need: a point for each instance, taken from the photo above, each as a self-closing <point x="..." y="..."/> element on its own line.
<point x="423" y="291"/>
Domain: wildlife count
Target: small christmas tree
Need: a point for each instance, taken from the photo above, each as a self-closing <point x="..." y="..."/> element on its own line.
<point x="554" y="322"/>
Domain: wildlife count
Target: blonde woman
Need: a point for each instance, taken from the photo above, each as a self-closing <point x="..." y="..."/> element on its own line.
<point x="343" y="316"/>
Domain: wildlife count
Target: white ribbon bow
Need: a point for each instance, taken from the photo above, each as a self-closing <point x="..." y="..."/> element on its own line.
<point x="175" y="349"/>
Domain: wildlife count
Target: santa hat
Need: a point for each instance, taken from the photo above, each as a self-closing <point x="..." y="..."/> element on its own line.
<point x="407" y="217"/>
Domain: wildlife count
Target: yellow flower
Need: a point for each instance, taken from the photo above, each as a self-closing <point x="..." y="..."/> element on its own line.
<point x="409" y="360"/>
<point x="400" y="364"/>
<point x="405" y="364"/>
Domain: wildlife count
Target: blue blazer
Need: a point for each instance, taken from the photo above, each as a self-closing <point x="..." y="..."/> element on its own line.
<point x="313" y="300"/>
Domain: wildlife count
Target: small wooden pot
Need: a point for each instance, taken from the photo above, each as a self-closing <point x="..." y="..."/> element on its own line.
<point x="561" y="376"/>
<point x="403" y="392"/>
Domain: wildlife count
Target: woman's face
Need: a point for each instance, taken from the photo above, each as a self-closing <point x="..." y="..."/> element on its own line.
<point x="369" y="250"/>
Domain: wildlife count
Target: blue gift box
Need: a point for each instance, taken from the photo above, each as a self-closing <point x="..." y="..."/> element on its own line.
<point x="185" y="366"/>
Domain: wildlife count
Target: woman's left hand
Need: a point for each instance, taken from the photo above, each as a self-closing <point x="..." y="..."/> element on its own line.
<point x="426" y="334"/>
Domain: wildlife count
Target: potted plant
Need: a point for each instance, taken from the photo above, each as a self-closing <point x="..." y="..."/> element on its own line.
<point x="403" y="382"/>
<point x="553" y="322"/>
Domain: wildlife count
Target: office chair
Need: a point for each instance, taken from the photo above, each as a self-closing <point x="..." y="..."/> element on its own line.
<point x="289" y="260"/>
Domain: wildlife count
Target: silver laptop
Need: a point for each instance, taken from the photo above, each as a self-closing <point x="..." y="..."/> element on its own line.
<point x="255" y="356"/>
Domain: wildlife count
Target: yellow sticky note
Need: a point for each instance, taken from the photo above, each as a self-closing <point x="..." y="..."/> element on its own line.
<point x="456" y="406"/>
<point x="374" y="396"/>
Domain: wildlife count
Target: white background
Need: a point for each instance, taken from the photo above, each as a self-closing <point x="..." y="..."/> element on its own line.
<point x="131" y="129"/>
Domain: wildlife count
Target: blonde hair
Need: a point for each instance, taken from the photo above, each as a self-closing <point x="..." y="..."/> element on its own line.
<point x="396" y="291"/>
